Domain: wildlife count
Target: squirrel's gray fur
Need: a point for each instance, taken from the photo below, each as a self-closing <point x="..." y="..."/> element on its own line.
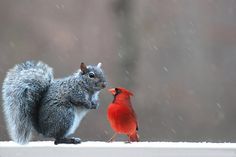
<point x="33" y="99"/>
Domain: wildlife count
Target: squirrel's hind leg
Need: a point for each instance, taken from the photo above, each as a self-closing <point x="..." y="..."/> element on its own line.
<point x="67" y="141"/>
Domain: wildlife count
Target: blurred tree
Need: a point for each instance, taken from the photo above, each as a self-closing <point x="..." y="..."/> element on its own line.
<point x="127" y="50"/>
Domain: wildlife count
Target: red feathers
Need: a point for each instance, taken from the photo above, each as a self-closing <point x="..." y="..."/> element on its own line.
<point x="121" y="115"/>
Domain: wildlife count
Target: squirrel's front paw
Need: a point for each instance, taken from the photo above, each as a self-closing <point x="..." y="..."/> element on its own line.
<point x="95" y="105"/>
<point x="91" y="105"/>
<point x="87" y="105"/>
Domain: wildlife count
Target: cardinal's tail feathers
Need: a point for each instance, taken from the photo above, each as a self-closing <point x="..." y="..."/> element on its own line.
<point x="134" y="137"/>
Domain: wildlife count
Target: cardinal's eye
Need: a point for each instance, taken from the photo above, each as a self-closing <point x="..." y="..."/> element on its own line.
<point x="91" y="75"/>
<point x="117" y="91"/>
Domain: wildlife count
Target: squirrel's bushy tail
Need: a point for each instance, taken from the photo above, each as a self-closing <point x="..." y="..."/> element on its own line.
<point x="22" y="90"/>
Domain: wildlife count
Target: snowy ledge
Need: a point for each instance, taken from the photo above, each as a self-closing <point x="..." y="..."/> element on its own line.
<point x="119" y="149"/>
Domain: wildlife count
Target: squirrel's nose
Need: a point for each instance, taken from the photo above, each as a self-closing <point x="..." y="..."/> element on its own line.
<point x="103" y="85"/>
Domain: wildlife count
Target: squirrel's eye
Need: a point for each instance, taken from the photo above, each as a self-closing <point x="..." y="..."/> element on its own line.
<point x="91" y="75"/>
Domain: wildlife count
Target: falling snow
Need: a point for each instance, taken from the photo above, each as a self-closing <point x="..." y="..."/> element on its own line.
<point x="165" y="69"/>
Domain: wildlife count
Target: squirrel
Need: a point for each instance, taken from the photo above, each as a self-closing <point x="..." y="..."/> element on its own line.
<point x="33" y="99"/>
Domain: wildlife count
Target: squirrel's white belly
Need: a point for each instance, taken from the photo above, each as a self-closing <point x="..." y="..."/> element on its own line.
<point x="79" y="115"/>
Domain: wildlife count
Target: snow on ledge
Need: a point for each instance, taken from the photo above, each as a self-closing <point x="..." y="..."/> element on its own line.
<point x="119" y="149"/>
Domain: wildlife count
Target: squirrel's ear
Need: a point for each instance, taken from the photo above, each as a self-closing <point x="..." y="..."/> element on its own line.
<point x="99" y="65"/>
<point x="83" y="67"/>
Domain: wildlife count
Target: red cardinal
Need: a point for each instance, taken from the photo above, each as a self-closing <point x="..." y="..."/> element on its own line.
<point x="121" y="115"/>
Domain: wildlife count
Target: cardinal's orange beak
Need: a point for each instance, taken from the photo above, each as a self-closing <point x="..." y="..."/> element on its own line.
<point x="112" y="91"/>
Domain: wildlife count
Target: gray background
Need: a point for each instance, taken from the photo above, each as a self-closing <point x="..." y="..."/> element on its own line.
<point x="177" y="56"/>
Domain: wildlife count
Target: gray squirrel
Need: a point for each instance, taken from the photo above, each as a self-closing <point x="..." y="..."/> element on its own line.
<point x="33" y="99"/>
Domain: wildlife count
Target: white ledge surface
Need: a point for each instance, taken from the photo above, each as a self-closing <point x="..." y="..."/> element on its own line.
<point x="119" y="149"/>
